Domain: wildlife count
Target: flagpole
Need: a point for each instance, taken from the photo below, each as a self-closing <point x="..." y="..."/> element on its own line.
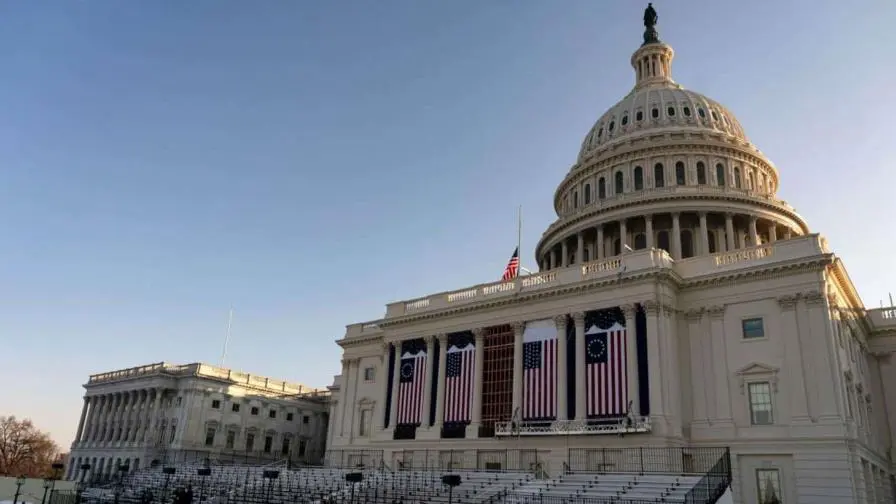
<point x="519" y="236"/>
<point x="227" y="336"/>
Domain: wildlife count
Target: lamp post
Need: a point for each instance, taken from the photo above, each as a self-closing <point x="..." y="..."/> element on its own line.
<point x="354" y="478"/>
<point x="19" y="482"/>
<point x="167" y="471"/>
<point x="50" y="483"/>
<point x="269" y="475"/>
<point x="451" y="481"/>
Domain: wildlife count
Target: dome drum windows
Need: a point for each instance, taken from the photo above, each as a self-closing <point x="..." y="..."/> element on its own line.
<point x="670" y="111"/>
<point x="701" y="173"/>
<point x="659" y="176"/>
<point x="655" y="113"/>
<point x="602" y="188"/>
<point x="639" y="116"/>
<point x="639" y="178"/>
<point x="680" y="178"/>
<point x="587" y="194"/>
<point x="619" y="185"/>
<point x="737" y="183"/>
<point x="720" y="175"/>
<point x="686" y="110"/>
<point x="625" y="119"/>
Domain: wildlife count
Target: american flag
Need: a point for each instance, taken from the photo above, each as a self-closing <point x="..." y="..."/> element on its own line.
<point x="605" y="371"/>
<point x="540" y="370"/>
<point x="513" y="266"/>
<point x="412" y="377"/>
<point x="459" y="380"/>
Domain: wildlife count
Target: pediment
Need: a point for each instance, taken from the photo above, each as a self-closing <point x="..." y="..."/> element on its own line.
<point x="757" y="368"/>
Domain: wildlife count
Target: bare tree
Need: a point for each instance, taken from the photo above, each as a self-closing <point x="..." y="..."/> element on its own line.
<point x="24" y="450"/>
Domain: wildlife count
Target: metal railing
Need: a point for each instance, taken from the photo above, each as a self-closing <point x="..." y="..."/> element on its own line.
<point x="645" y="460"/>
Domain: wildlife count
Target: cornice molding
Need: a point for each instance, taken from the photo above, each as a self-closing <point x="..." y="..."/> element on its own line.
<point x="694" y="314"/>
<point x="813" y="297"/>
<point x="717" y="311"/>
<point x="788" y="301"/>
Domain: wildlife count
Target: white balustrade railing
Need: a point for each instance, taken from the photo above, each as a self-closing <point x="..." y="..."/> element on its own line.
<point x="621" y="425"/>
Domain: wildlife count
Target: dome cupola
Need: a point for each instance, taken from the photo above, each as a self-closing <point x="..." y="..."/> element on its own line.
<point x="665" y="167"/>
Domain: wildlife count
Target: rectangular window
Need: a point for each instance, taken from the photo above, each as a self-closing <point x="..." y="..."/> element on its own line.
<point x="235" y="408"/>
<point x="268" y="443"/>
<point x="272" y="414"/>
<point x="768" y="486"/>
<point x="305" y="419"/>
<point x="753" y="328"/>
<point x="760" y="403"/>
<point x="302" y="448"/>
<point x="284" y="450"/>
<point x="216" y="404"/>
<point x="250" y="442"/>
<point x="210" y="436"/>
<point x="171" y="436"/>
<point x="231" y="439"/>
<point x="365" y="423"/>
<point x="289" y="417"/>
<point x="254" y="410"/>
<point x="369" y="374"/>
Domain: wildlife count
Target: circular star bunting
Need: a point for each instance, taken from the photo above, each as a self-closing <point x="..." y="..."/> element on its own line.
<point x="597" y="348"/>
<point x="407" y="370"/>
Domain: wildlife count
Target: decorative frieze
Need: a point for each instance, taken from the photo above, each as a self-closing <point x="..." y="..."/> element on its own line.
<point x="717" y="311"/>
<point x="813" y="297"/>
<point x="651" y="307"/>
<point x="694" y="314"/>
<point x="789" y="301"/>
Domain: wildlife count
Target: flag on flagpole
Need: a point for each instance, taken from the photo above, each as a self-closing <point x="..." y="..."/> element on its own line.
<point x="513" y="266"/>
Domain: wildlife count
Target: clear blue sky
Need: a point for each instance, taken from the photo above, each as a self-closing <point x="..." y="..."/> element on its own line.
<point x="308" y="162"/>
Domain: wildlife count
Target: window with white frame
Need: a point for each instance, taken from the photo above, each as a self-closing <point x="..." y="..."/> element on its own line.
<point x="364" y="426"/>
<point x="753" y="328"/>
<point x="369" y="374"/>
<point x="760" y="395"/>
<point x="209" y="436"/>
<point x="768" y="486"/>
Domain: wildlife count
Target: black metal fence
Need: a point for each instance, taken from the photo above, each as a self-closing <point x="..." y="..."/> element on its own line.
<point x="713" y="484"/>
<point x="644" y="460"/>
<point x="480" y="460"/>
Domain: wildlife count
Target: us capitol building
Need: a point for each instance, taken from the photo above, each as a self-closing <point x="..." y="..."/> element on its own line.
<point x="679" y="302"/>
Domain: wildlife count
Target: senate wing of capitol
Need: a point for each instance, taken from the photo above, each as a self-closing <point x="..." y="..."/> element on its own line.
<point x="680" y="305"/>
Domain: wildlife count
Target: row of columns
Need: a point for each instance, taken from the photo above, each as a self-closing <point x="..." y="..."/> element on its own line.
<point x="560" y="321"/>
<point x="130" y="416"/>
<point x="551" y="260"/>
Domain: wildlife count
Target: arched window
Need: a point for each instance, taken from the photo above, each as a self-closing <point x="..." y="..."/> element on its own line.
<point x="761" y="184"/>
<point x="612" y="126"/>
<point x="640" y="241"/>
<point x="701" y="112"/>
<point x="618" y="187"/>
<point x="639" y="116"/>
<point x="575" y="199"/>
<point x="687" y="111"/>
<point x="587" y="194"/>
<point x="625" y="119"/>
<point x="662" y="241"/>
<point x="679" y="173"/>
<point x="659" y="178"/>
<point x="639" y="178"/>
<point x="720" y="175"/>
<point x="687" y="244"/>
<point x="600" y="132"/>
<point x="654" y="112"/>
<point x="601" y="188"/>
<point x="712" y="242"/>
<point x="737" y="177"/>
<point x="750" y="182"/>
<point x="701" y="173"/>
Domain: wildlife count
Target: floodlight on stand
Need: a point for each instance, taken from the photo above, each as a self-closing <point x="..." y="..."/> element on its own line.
<point x="203" y="471"/>
<point x="451" y="481"/>
<point x="354" y="478"/>
<point x="169" y="470"/>
<point x="270" y="474"/>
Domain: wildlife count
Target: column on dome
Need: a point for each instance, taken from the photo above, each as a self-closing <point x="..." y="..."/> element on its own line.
<point x="578" y="319"/>
<point x="564" y="251"/>
<point x="382" y="384"/>
<point x="788" y="233"/>
<point x="648" y="230"/>
<point x="729" y="232"/>
<point x="772" y="232"/>
<point x="676" y="236"/>
<point x="440" y="385"/>
<point x="427" y="383"/>
<point x="599" y="244"/>
<point x="580" y="248"/>
<point x="396" y="377"/>
<point x="631" y="360"/>
<point x="754" y="234"/>
<point x="704" y="234"/>
<point x="476" y="414"/>
<point x="553" y="258"/>
<point x="517" y="397"/>
<point x="623" y="236"/>
<point x="562" y="388"/>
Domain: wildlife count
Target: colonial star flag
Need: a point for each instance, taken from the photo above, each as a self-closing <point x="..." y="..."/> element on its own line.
<point x="411" y="379"/>
<point x="513" y="266"/>
<point x="605" y="371"/>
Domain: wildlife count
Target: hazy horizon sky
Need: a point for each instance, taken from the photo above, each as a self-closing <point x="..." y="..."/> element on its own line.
<point x="308" y="162"/>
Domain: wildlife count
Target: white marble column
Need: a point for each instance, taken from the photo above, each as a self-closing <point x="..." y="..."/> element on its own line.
<point x="729" y="232"/>
<point x="600" y="242"/>
<point x="799" y="394"/>
<point x="440" y="384"/>
<point x="564" y="251"/>
<point x="102" y="421"/>
<point x="581" y="397"/>
<point x="79" y="434"/>
<point x="623" y="236"/>
<point x="754" y="234"/>
<point x="479" y="336"/>
<point x="704" y="234"/>
<point x="676" y="236"/>
<point x="113" y="417"/>
<point x="343" y="395"/>
<point x="93" y="417"/>
<point x="553" y="258"/>
<point x="517" y="406"/>
<point x="382" y="381"/>
<point x="427" y="383"/>
<point x="772" y="232"/>
<point x="720" y="366"/>
<point x="155" y="416"/>
<point x="562" y="388"/>
<point x="396" y="376"/>
<point x="654" y="366"/>
<point x="631" y="360"/>
<point x="648" y="230"/>
<point x="580" y="248"/>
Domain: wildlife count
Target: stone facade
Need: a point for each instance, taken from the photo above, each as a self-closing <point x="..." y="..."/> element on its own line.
<point x="195" y="411"/>
<point x="744" y="328"/>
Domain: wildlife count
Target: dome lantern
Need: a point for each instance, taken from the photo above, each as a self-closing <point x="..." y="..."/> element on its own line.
<point x="653" y="60"/>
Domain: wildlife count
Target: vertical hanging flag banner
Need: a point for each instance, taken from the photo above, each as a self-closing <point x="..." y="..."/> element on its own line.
<point x="605" y="370"/>
<point x="459" y="369"/>
<point x="540" y="370"/>
<point x="411" y="379"/>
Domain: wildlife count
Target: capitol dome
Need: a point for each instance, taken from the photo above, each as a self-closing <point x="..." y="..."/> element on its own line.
<point x="666" y="168"/>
